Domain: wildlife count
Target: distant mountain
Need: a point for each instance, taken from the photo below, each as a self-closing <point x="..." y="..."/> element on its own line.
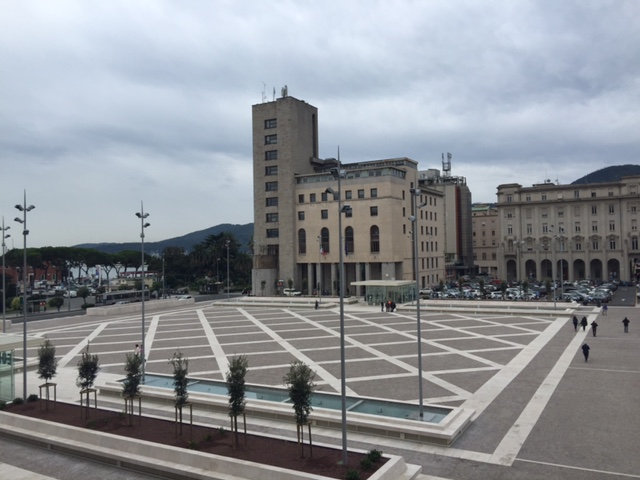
<point x="243" y="234"/>
<point x="609" y="174"/>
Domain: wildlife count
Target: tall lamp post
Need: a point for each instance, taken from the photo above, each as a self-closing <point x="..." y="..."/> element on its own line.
<point x="339" y="173"/>
<point x="24" y="209"/>
<point x="142" y="216"/>
<point x="226" y="244"/>
<point x="416" y="192"/>
<point x="4" y="287"/>
<point x="319" y="269"/>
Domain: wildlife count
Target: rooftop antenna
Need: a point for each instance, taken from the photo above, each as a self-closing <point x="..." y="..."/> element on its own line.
<point x="264" y="93"/>
<point x="446" y="165"/>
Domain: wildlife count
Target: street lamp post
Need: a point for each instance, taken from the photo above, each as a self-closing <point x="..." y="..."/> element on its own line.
<point x="4" y="287"/>
<point x="227" y="243"/>
<point x="24" y="209"/>
<point x="319" y="282"/>
<point x="142" y="216"/>
<point x="339" y="173"/>
<point x="416" y="192"/>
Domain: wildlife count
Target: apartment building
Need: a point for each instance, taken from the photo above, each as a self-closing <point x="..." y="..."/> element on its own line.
<point x="570" y="232"/>
<point x="296" y="211"/>
<point x="486" y="238"/>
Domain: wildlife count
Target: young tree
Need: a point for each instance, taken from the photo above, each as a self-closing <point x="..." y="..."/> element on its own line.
<point x="300" y="384"/>
<point x="47" y="363"/>
<point x="236" y="388"/>
<point x="88" y="368"/>
<point x="180" y="372"/>
<point x="133" y="370"/>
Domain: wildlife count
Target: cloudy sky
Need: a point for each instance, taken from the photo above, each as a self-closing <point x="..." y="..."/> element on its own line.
<point x="105" y="104"/>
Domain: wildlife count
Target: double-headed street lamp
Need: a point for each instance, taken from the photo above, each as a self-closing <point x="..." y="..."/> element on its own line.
<point x="339" y="173"/>
<point x="4" y="296"/>
<point x="416" y="192"/>
<point x="142" y="216"/>
<point x="24" y="209"/>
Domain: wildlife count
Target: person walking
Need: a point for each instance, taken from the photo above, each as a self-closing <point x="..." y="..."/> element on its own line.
<point x="316" y="307"/>
<point x="583" y="323"/>
<point x="585" y="352"/>
<point x="604" y="309"/>
<point x="594" y="327"/>
<point x="136" y="351"/>
<point x="575" y="323"/>
<point x="626" y="322"/>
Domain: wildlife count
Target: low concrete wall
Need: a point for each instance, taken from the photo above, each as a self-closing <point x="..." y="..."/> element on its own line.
<point x="162" y="460"/>
<point x="132" y="308"/>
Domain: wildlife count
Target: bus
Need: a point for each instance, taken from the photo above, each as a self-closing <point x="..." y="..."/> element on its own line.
<point x="120" y="296"/>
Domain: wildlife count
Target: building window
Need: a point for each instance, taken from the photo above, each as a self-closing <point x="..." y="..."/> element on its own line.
<point x="348" y="213"/>
<point x="612" y="245"/>
<point x="347" y="195"/>
<point x="271" y="170"/>
<point x="509" y="198"/>
<point x="544" y="213"/>
<point x="528" y="198"/>
<point x="593" y="194"/>
<point x="312" y="197"/>
<point x="324" y="214"/>
<point x="301" y="215"/>
<point x="634" y="224"/>
<point x="374" y="235"/>
<point x="323" y="197"/>
<point x="544" y="196"/>
<point x="271" y="186"/>
<point x="594" y="227"/>
<point x="509" y="229"/>
<point x="374" y="211"/>
<point x="529" y="229"/>
<point x="577" y="227"/>
<point x="612" y="226"/>
<point x="272" y="201"/>
<point x="273" y="249"/>
<point x="272" y="217"/>
<point x="634" y="243"/>
<point x="348" y="240"/>
<point x="270" y="139"/>
<point x="374" y="193"/>
<point x="576" y="194"/>
<point x="594" y="209"/>
<point x="361" y="193"/>
<point x="545" y="228"/>
<point x="301" y="198"/>
<point x="594" y="245"/>
<point x="578" y="246"/>
<point x="560" y="213"/>
<point x="302" y="241"/>
<point x="324" y="241"/>
<point x="271" y="123"/>
<point x="272" y="233"/>
<point x="612" y="208"/>
<point x="271" y="155"/>
<point x="634" y="209"/>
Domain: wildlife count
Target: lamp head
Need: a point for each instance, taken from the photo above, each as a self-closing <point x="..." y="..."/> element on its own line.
<point x="19" y="207"/>
<point x="146" y="225"/>
<point x="19" y="220"/>
<point x="412" y="218"/>
<point x="30" y="207"/>
<point x="346" y="208"/>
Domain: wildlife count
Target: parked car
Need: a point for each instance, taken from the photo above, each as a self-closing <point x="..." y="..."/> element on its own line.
<point x="291" y="292"/>
<point x="70" y="294"/>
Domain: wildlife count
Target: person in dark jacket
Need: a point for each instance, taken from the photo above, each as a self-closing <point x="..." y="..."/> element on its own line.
<point x="583" y="323"/>
<point x="594" y="327"/>
<point x="585" y="352"/>
<point x="575" y="323"/>
<point x="626" y="322"/>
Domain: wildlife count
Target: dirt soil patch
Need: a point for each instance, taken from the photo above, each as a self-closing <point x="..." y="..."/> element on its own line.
<point x="254" y="448"/>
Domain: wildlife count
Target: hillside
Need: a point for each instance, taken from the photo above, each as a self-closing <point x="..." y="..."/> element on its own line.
<point x="243" y="233"/>
<point x="609" y="174"/>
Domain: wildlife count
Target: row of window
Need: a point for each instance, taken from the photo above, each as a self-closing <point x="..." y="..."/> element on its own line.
<point x="576" y="194"/>
<point x="577" y="227"/>
<point x="349" y="240"/>
<point x="577" y="246"/>
<point x="348" y="195"/>
<point x="577" y="211"/>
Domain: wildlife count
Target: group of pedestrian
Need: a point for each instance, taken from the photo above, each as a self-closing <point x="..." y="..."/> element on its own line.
<point x="594" y="329"/>
<point x="389" y="306"/>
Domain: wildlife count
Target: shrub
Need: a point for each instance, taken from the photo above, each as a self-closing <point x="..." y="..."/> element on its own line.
<point x="18" y="401"/>
<point x="352" y="475"/>
<point x="32" y="398"/>
<point x="374" y="455"/>
<point x="192" y="445"/>
<point x="366" y="463"/>
<point x="221" y="431"/>
<point x="84" y="306"/>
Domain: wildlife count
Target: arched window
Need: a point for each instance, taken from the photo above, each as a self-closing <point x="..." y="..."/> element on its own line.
<point x="634" y="243"/>
<point x="348" y="240"/>
<point x="375" y="239"/>
<point x="324" y="241"/>
<point x="302" y="241"/>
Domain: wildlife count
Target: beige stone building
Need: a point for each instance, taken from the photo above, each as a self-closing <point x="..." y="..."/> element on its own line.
<point x="486" y="238"/>
<point x="296" y="216"/>
<point x="573" y="232"/>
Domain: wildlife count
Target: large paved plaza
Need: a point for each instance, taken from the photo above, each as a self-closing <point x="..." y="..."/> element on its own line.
<point x="541" y="410"/>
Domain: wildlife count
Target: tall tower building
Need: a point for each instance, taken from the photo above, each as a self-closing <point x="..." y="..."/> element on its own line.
<point x="285" y="138"/>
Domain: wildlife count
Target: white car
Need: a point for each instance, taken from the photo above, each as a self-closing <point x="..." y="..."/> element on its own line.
<point x="291" y="292"/>
<point x="70" y="294"/>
